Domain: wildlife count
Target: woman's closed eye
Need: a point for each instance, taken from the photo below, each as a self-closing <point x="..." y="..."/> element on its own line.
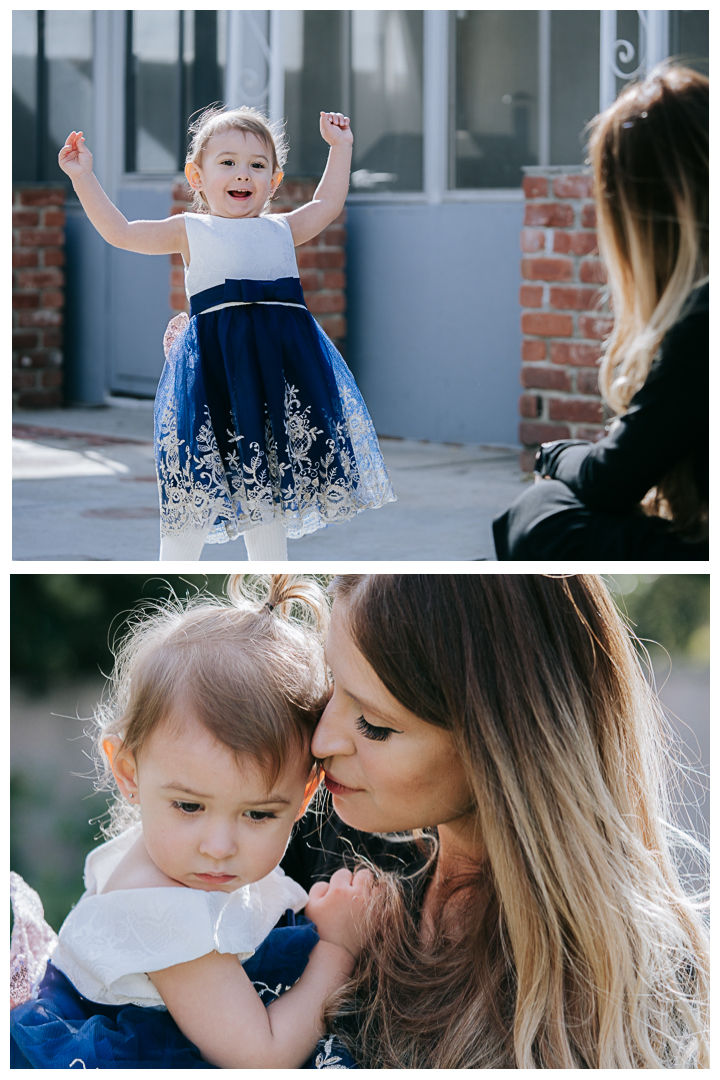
<point x="188" y="808"/>
<point x="370" y="731"/>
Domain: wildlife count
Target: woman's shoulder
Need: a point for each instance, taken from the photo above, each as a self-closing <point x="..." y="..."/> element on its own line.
<point x="686" y="346"/>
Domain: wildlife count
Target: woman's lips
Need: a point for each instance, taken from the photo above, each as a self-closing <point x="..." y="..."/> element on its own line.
<point x="216" y="879"/>
<point x="336" y="788"/>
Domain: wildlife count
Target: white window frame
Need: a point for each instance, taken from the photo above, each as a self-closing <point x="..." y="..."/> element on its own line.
<point x="109" y="37"/>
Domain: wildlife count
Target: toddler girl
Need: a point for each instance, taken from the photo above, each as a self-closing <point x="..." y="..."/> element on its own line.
<point x="260" y="428"/>
<point x="207" y="732"/>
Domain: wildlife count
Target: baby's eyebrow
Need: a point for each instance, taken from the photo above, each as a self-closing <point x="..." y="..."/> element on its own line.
<point x="231" y="153"/>
<point x="274" y="799"/>
<point x="174" y="786"/>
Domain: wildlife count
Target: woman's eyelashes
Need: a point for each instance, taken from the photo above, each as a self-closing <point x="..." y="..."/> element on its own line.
<point x="370" y="731"/>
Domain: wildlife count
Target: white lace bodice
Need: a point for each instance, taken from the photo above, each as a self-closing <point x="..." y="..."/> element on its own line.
<point x="259" y="248"/>
<point x="110" y="940"/>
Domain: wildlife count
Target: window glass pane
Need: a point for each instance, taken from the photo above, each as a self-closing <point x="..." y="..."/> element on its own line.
<point x="387" y="94"/>
<point x="690" y="38"/>
<point x="201" y="48"/>
<point x="24" y="100"/>
<point x="574" y="82"/>
<point x="312" y="61"/>
<point x="156" y="90"/>
<point x="69" y="52"/>
<point x="496" y="98"/>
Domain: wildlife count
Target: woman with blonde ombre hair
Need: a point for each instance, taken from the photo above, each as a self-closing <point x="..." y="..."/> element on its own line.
<point x="642" y="491"/>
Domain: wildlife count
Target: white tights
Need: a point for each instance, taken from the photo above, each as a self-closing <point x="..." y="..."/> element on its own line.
<point x="267" y="542"/>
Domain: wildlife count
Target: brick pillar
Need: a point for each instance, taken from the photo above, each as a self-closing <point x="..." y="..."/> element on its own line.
<point x="38" y="295"/>
<point x="321" y="261"/>
<point x="563" y="319"/>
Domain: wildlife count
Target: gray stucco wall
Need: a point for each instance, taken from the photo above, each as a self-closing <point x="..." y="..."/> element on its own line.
<point x="433" y="318"/>
<point x="140" y="301"/>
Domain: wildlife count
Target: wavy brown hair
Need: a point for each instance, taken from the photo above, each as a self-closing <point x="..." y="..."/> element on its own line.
<point x="574" y="943"/>
<point x="249" y="667"/>
<point x="649" y="152"/>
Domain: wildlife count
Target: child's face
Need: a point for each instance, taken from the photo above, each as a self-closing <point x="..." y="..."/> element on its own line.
<point x="208" y="822"/>
<point x="235" y="174"/>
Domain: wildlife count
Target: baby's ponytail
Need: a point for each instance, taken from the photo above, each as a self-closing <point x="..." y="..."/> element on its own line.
<point x="288" y="596"/>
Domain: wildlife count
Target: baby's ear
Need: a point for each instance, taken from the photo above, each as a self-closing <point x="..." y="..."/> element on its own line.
<point x="123" y="765"/>
<point x="276" y="181"/>
<point x="310" y="788"/>
<point x="192" y="175"/>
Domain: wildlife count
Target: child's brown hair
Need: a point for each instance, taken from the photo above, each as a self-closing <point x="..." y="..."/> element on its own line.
<point x="250" y="668"/>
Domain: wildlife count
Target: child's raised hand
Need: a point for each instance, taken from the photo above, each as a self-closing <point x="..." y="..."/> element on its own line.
<point x="335" y="128"/>
<point x="74" y="158"/>
<point x="337" y="907"/>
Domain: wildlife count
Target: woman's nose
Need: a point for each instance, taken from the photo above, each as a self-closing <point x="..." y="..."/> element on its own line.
<point x="334" y="733"/>
<point x="218" y="842"/>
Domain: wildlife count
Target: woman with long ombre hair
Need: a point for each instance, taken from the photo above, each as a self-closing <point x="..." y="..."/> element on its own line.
<point x="548" y="926"/>
<point x="642" y="491"/>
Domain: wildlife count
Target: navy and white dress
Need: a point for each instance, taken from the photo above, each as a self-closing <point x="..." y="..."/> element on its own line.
<point x="257" y="417"/>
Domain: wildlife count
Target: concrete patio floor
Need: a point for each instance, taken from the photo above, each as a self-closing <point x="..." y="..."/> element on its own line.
<point x="84" y="489"/>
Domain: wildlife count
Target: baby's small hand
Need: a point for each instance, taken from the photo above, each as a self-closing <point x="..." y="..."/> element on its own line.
<point x="74" y="158"/>
<point x="337" y="907"/>
<point x="335" y="128"/>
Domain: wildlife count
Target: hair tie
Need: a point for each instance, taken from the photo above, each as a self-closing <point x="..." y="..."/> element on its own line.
<point x="269" y="606"/>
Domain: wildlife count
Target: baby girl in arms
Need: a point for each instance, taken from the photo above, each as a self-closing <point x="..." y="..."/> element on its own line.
<point x="208" y="736"/>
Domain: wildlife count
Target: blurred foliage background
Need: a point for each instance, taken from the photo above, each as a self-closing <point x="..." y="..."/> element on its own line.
<point x="62" y="628"/>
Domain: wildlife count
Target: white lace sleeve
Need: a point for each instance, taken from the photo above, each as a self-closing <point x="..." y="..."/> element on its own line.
<point x="109" y="941"/>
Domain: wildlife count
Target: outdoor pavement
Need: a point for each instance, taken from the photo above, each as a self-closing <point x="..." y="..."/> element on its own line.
<point x="84" y="489"/>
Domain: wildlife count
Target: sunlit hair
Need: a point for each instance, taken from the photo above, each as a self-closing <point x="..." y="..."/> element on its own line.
<point x="216" y="119"/>
<point x="574" y="943"/>
<point x="250" y="668"/>
<point x="649" y="153"/>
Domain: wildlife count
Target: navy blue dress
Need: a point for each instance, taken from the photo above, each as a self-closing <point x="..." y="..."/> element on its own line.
<point x="257" y="416"/>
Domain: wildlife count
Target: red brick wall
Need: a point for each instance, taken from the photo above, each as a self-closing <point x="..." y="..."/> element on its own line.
<point x="38" y="295"/>
<point x="563" y="319"/>
<point x="321" y="261"/>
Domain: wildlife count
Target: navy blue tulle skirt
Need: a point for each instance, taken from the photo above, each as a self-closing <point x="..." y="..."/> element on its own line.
<point x="258" y="419"/>
<point x="62" y="1029"/>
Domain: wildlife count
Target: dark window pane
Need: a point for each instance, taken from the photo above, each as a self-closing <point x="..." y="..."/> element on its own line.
<point x="387" y="100"/>
<point x="312" y="63"/>
<point x="690" y="38"/>
<point x="24" y="96"/>
<point x="574" y="82"/>
<point x="496" y="98"/>
<point x="69" y="74"/>
<point x="205" y="86"/>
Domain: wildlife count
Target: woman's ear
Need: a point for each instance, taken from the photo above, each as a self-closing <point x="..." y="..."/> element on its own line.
<point x="123" y="765"/>
<point x="311" y="787"/>
<point x="192" y="175"/>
